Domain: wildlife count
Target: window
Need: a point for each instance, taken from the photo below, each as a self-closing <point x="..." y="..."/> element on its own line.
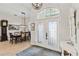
<point x="48" y="12"/>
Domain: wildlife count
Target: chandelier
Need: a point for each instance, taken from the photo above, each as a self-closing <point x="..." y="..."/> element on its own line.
<point x="37" y="6"/>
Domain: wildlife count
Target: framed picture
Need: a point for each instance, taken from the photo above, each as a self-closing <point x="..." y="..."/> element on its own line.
<point x="13" y="27"/>
<point x="32" y="26"/>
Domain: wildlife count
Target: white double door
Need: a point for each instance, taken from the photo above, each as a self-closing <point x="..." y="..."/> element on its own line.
<point x="47" y="33"/>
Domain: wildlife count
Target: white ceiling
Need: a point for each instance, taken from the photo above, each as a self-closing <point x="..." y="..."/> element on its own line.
<point x="15" y="8"/>
<point x="10" y="9"/>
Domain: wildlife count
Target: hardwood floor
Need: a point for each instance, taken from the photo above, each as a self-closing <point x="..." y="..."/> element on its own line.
<point x="8" y="49"/>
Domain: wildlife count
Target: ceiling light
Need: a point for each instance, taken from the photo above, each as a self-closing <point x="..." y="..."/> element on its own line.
<point x="23" y="13"/>
<point x="37" y="5"/>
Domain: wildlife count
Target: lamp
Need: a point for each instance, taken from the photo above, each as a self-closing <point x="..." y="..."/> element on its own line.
<point x="37" y="6"/>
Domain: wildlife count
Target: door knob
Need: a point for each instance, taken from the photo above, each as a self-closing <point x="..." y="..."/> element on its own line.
<point x="46" y="36"/>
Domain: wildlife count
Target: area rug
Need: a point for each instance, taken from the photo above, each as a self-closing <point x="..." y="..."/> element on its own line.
<point x="38" y="51"/>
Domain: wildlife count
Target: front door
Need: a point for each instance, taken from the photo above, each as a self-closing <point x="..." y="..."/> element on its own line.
<point x="52" y="34"/>
<point x="41" y="32"/>
<point x="47" y="33"/>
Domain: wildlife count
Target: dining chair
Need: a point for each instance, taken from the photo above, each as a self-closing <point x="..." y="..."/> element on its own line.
<point x="27" y="36"/>
<point x="23" y="36"/>
<point x="11" y="38"/>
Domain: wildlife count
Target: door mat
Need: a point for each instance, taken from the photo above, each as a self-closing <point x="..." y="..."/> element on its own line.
<point x="38" y="51"/>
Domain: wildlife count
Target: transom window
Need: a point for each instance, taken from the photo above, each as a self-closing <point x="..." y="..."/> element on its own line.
<point x="47" y="12"/>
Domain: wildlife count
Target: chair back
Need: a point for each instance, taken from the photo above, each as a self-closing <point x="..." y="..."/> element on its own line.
<point x="11" y="35"/>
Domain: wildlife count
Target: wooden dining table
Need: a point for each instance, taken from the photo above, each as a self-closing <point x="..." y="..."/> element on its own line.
<point x="20" y="36"/>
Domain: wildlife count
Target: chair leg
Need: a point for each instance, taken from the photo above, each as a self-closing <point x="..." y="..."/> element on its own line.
<point x="21" y="39"/>
<point x="11" y="41"/>
<point x="16" y="41"/>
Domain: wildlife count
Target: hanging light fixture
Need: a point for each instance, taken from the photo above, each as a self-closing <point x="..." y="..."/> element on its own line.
<point x="23" y="13"/>
<point x="37" y="6"/>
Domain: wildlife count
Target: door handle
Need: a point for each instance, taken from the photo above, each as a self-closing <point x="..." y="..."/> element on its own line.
<point x="46" y="36"/>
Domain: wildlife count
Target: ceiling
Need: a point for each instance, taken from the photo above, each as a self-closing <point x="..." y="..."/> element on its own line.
<point x="13" y="9"/>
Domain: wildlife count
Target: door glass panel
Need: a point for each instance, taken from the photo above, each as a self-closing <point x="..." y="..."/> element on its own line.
<point x="40" y="32"/>
<point x="52" y="33"/>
